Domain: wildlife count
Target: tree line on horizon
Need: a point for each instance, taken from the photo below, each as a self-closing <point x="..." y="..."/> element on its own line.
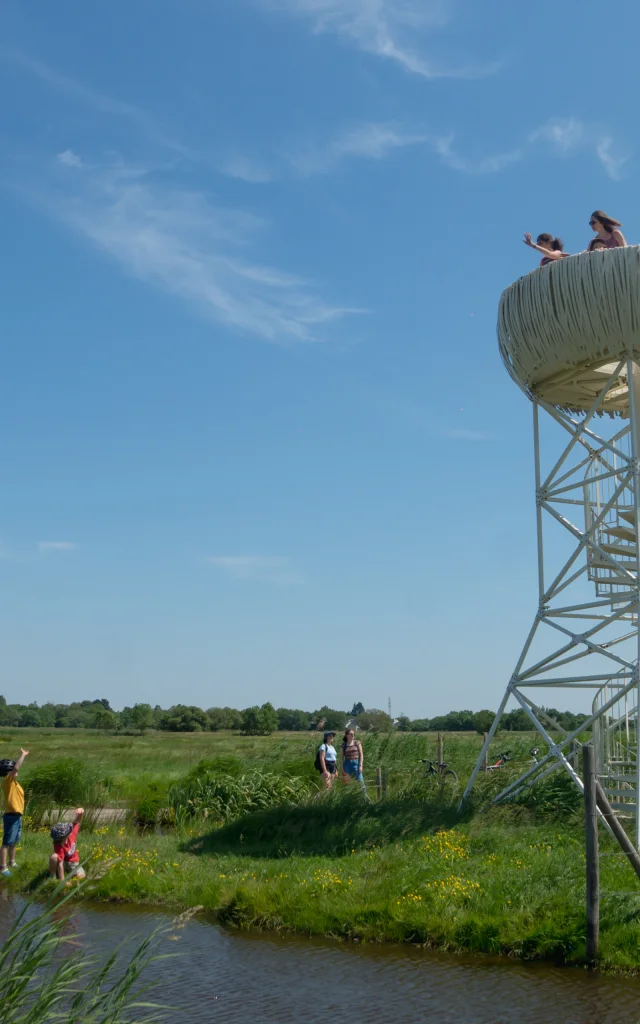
<point x="257" y="720"/>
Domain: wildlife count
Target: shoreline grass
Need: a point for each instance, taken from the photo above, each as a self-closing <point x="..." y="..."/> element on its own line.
<point x="406" y="869"/>
<point x="498" y="883"/>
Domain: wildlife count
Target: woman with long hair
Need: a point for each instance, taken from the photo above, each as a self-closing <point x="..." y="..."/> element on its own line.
<point x="550" y="247"/>
<point x="352" y="758"/>
<point x="607" y="229"/>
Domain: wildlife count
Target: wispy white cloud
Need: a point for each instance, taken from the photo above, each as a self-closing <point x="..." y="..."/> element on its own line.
<point x="85" y="95"/>
<point x="492" y="164"/>
<point x="613" y="164"/>
<point x="557" y="138"/>
<point x="246" y="169"/>
<point x="568" y="136"/>
<point x="56" y="545"/>
<point x="180" y="241"/>
<point x="564" y="134"/>
<point x="369" y="141"/>
<point x="69" y="159"/>
<point x="266" y="569"/>
<point x="396" y="30"/>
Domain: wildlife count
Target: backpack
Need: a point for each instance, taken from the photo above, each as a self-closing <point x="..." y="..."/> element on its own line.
<point x="317" y="763"/>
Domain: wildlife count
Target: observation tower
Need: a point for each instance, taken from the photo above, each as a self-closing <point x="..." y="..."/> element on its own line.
<point x="569" y="335"/>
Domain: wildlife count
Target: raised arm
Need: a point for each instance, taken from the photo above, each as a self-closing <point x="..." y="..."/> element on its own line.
<point x="19" y="762"/>
<point x="553" y="254"/>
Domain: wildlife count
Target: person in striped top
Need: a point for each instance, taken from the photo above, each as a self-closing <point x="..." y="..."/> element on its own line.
<point x="352" y="758"/>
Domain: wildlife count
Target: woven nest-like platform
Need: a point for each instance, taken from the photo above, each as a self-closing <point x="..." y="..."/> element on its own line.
<point x="563" y="328"/>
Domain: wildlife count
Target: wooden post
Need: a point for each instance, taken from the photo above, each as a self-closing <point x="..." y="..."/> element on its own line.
<point x="379" y="782"/>
<point x="440" y="749"/>
<point x="485" y="766"/>
<point x="591" y="838"/>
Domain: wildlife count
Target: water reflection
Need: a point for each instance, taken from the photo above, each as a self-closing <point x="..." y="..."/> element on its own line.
<point x="233" y="978"/>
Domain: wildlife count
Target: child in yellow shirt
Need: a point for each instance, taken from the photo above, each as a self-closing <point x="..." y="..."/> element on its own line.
<point x="13" y="811"/>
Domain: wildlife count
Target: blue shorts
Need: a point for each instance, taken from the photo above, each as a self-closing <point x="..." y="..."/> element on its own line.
<point x="12" y="825"/>
<point x="353" y="768"/>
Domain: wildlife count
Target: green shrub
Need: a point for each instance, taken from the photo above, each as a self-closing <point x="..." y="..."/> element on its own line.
<point x="148" y="803"/>
<point x="64" y="782"/>
<point x="225" y="797"/>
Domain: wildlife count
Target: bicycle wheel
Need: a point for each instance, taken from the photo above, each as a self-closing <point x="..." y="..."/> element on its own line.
<point x="450" y="776"/>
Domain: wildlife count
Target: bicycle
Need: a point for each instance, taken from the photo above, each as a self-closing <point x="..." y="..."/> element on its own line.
<point x="438" y="769"/>
<point x="501" y="762"/>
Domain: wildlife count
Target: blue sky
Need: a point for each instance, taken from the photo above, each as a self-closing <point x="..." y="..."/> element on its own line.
<point x="256" y="442"/>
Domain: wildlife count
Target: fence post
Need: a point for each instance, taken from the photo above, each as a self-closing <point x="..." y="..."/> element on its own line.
<point x="379" y="782"/>
<point x="485" y="766"/>
<point x="440" y="749"/>
<point x="591" y="838"/>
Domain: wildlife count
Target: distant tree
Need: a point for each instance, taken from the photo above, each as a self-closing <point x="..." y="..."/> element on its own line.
<point x="484" y="721"/>
<point x="3" y="702"/>
<point x="332" y="719"/>
<point x="48" y="715"/>
<point x="105" y="703"/>
<point x="292" y="720"/>
<point x="184" y="718"/>
<point x="105" y="720"/>
<point x="420" y="724"/>
<point x="357" y="709"/>
<point x="259" y="721"/>
<point x="29" y="718"/>
<point x="404" y="723"/>
<point x="224" y="718"/>
<point x="516" y="721"/>
<point x="141" y="717"/>
<point x="373" y="718"/>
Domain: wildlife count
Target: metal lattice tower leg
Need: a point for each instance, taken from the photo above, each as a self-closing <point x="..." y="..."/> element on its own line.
<point x="586" y="632"/>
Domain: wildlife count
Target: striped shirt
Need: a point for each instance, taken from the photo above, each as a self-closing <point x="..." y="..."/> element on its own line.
<point x="351" y="752"/>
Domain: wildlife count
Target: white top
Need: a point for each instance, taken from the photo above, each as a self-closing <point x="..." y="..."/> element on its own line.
<point x="329" y="752"/>
<point x="563" y="327"/>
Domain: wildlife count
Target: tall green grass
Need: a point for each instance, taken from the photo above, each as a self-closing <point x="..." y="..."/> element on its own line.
<point x="207" y="793"/>
<point x="44" y="980"/>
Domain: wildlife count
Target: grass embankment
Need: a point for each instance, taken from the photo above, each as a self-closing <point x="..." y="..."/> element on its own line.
<point x="508" y="880"/>
<point x="398" y="871"/>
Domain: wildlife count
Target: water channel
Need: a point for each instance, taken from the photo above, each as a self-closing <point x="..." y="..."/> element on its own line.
<point x="222" y="977"/>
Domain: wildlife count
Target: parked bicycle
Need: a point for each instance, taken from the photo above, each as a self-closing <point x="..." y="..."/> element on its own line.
<point x="503" y="759"/>
<point x="433" y="768"/>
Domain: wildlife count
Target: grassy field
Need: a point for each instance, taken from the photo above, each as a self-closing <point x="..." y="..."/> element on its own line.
<point x="406" y="869"/>
<point x="127" y="763"/>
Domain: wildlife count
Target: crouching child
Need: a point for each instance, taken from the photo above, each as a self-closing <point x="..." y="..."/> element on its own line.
<point x="65" y="856"/>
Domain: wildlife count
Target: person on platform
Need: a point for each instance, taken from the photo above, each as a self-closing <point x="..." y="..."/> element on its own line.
<point x="597" y="243"/>
<point x="551" y="248"/>
<point x="607" y="229"/>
